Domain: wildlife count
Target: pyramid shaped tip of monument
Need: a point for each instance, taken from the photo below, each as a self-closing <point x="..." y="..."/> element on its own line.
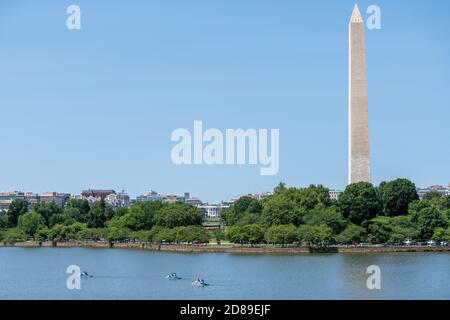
<point x="356" y="15"/>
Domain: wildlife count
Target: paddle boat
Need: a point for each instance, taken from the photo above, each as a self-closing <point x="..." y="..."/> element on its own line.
<point x="173" y="276"/>
<point x="84" y="274"/>
<point x="200" y="283"/>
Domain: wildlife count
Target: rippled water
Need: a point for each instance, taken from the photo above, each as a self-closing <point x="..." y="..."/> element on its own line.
<point x="39" y="273"/>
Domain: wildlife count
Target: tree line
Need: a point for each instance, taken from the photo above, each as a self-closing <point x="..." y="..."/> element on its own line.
<point x="79" y="220"/>
<point x="390" y="213"/>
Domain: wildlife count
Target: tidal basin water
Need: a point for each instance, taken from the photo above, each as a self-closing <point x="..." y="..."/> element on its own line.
<point x="40" y="273"/>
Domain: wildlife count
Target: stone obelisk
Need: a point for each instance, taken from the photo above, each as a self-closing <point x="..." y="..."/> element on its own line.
<point x="358" y="135"/>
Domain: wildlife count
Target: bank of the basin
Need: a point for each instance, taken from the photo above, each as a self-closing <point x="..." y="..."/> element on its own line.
<point x="230" y="248"/>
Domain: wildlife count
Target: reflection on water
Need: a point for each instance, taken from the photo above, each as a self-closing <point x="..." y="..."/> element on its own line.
<point x="39" y="273"/>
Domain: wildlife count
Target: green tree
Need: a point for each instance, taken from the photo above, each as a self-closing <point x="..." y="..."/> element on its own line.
<point x="4" y="220"/>
<point x="380" y="230"/>
<point x="85" y="234"/>
<point x="427" y="219"/>
<point x="359" y="202"/>
<point x="324" y="236"/>
<point x="402" y="229"/>
<point x="281" y="187"/>
<point x="194" y="233"/>
<point x="281" y="234"/>
<point x="47" y="210"/>
<point x="291" y="205"/>
<point x="150" y="237"/>
<point x="189" y="234"/>
<point x="68" y="216"/>
<point x="182" y="234"/>
<point x="140" y="215"/>
<point x="99" y="214"/>
<point x="447" y="203"/>
<point x="255" y="207"/>
<point x="57" y="232"/>
<point x="12" y="235"/>
<point x="74" y="214"/>
<point x="316" y="235"/>
<point x="441" y="234"/>
<point x="396" y="196"/>
<point x="164" y="235"/>
<point x="42" y="233"/>
<point x="248" y="218"/>
<point x="17" y="208"/>
<point x="99" y="233"/>
<point x="30" y="222"/>
<point x="329" y="216"/>
<point x="432" y="195"/>
<point x="176" y="215"/>
<point x="83" y="208"/>
<point x="117" y="234"/>
<point x="141" y="235"/>
<point x="218" y="235"/>
<point x="74" y="230"/>
<point x="120" y="211"/>
<point x="313" y="196"/>
<point x="352" y="233"/>
<point x="253" y="234"/>
<point x="244" y="211"/>
<point x="279" y="210"/>
<point x="235" y="235"/>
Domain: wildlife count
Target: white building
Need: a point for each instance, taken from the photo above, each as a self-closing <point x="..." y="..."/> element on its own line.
<point x="256" y="196"/>
<point x="195" y="202"/>
<point x="120" y="199"/>
<point x="149" y="196"/>
<point x="57" y="197"/>
<point x="334" y="194"/>
<point x="443" y="191"/>
<point x="260" y="196"/>
<point x="213" y="210"/>
<point x="6" y="198"/>
<point x="172" y="198"/>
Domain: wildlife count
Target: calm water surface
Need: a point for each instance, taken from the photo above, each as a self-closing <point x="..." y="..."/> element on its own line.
<point x="39" y="273"/>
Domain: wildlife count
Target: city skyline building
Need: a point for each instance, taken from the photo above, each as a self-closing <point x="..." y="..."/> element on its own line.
<point x="441" y="190"/>
<point x="122" y="199"/>
<point x="96" y="193"/>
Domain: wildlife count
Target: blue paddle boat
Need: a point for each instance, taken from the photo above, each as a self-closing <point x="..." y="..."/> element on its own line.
<point x="200" y="283"/>
<point x="85" y="275"/>
<point x="173" y="276"/>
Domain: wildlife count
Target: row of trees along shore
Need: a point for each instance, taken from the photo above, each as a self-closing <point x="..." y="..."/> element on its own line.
<point x="390" y="213"/>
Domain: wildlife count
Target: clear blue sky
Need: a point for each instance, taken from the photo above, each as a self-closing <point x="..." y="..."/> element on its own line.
<point x="96" y="107"/>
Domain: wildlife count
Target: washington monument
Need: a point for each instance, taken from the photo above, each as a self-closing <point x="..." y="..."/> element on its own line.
<point x="358" y="134"/>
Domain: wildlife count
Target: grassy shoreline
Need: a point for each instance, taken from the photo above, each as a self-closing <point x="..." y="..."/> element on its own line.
<point x="228" y="248"/>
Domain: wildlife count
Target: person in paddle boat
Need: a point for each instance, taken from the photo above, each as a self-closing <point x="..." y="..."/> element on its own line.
<point x="173" y="275"/>
<point x="200" y="282"/>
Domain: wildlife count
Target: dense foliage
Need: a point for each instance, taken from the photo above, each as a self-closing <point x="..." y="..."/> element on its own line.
<point x="79" y="220"/>
<point x="390" y="213"/>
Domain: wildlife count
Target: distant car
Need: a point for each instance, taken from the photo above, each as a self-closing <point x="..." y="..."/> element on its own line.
<point x="444" y="243"/>
<point x="409" y="242"/>
<point x="431" y="243"/>
<point x="364" y="244"/>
